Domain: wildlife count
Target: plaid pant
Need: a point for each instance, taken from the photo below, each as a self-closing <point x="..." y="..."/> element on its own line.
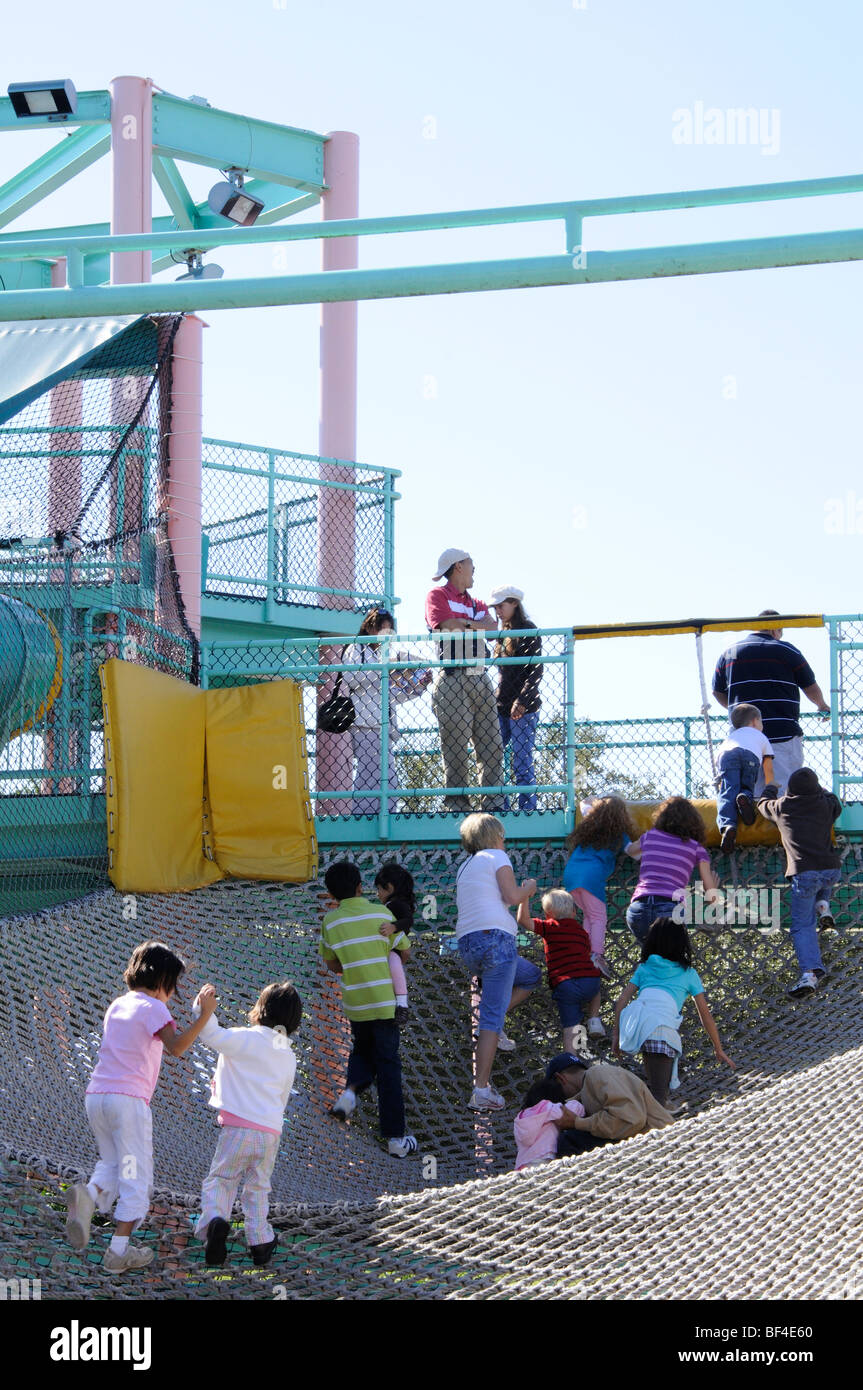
<point x="247" y="1156"/>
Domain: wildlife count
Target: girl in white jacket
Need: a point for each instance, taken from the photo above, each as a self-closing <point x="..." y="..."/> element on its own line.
<point x="250" y="1089"/>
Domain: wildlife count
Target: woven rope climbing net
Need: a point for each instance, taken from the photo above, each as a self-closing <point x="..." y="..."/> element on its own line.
<point x="740" y="1198"/>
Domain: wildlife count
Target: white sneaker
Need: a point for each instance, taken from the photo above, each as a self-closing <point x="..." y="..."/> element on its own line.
<point x="486" y="1098"/>
<point x="79" y="1207"/>
<point x="807" y="984"/>
<point x="133" y="1257"/>
<point x="504" y="1043"/>
<point x="400" y="1148"/>
<point x="595" y="1028"/>
<point x="344" y="1106"/>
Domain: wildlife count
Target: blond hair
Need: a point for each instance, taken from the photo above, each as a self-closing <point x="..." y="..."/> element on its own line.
<point x="558" y="903"/>
<point x="480" y="831"/>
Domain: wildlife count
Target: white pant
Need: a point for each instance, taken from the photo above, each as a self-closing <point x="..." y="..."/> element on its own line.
<point x="247" y="1156"/>
<point x="366" y="745"/>
<point x="787" y="757"/>
<point x="123" y="1126"/>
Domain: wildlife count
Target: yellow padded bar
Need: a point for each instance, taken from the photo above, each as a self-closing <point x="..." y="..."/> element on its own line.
<point x="763" y="832"/>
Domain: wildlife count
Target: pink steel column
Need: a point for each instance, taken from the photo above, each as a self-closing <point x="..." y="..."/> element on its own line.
<point x="337" y="439"/>
<point x="64" y="474"/>
<point x="184" y="451"/>
<point x="131" y="173"/>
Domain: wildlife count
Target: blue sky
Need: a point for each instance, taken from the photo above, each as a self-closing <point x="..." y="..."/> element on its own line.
<point x="633" y="451"/>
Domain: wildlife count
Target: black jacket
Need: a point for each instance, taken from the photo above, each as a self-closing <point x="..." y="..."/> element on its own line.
<point x="805" y="816"/>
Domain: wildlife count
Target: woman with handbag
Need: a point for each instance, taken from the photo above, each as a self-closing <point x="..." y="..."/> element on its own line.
<point x="364" y="687"/>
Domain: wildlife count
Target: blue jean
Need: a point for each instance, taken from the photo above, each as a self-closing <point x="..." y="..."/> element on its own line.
<point x="375" y="1057"/>
<point x="738" y="771"/>
<point x="522" y="733"/>
<point x="493" y="956"/>
<point x="643" y="912"/>
<point x="807" y="889"/>
<point x="571" y="996"/>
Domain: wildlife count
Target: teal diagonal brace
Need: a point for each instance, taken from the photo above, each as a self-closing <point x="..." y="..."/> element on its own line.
<point x="222" y="140"/>
<point x="52" y="169"/>
<point x="177" y="195"/>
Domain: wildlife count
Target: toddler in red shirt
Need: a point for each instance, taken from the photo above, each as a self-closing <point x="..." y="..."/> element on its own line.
<point x="573" y="978"/>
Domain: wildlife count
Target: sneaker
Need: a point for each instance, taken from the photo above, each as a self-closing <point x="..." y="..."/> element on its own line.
<point x="217" y="1240"/>
<point x="729" y="839"/>
<point x="821" y="977"/>
<point x="344" y="1106"/>
<point x="79" y="1207"/>
<point x="806" y="985"/>
<point x="261" y="1253"/>
<point x="595" y="1028"/>
<point x="402" y="1015"/>
<point x="826" y="922"/>
<point x="133" y="1257"/>
<point x="504" y="1043"/>
<point x="602" y="965"/>
<point x="400" y="1148"/>
<point x="486" y="1098"/>
<point x="746" y="808"/>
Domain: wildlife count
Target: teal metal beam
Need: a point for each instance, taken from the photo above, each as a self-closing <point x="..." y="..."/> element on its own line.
<point x="94" y="108"/>
<point x="222" y="139"/>
<point x="594" y="267"/>
<point x="25" y="275"/>
<point x="52" y="169"/>
<point x="176" y="194"/>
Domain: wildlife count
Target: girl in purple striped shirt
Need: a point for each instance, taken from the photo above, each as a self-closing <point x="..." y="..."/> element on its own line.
<point x="668" y="853"/>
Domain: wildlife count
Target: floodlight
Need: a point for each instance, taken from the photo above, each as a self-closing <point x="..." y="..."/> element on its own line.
<point x="196" y="270"/>
<point x="230" y="201"/>
<point x="53" y="99"/>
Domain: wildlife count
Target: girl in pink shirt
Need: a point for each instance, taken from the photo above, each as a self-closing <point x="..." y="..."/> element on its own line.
<point x="537" y="1126"/>
<point x="136" y="1029"/>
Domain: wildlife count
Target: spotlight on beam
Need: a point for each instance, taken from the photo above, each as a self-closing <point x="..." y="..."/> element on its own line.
<point x="196" y="270"/>
<point x="53" y="99"/>
<point x="231" y="201"/>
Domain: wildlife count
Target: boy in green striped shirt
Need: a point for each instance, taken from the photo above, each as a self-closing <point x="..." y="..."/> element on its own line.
<point x="356" y="940"/>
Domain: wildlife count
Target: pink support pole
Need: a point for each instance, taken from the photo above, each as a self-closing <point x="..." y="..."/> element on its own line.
<point x="337" y="439"/>
<point x="66" y="408"/>
<point x="132" y="173"/>
<point x="184" y="450"/>
<point x="185" y="469"/>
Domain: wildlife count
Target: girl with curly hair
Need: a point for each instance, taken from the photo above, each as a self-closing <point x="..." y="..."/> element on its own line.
<point x="668" y="853"/>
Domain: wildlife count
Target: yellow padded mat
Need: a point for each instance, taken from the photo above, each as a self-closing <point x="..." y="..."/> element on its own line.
<point x="260" y="814"/>
<point x="202" y="785"/>
<point x="154" y="760"/>
<point x="763" y="832"/>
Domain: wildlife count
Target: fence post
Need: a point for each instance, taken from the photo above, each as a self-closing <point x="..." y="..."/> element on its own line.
<point x="835" y="738"/>
<point x="569" y="754"/>
<point x="270" y="602"/>
<point x="687" y="756"/>
<point x="384" y="806"/>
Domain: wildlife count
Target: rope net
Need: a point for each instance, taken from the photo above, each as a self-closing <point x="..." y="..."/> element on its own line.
<point x="724" y="1204"/>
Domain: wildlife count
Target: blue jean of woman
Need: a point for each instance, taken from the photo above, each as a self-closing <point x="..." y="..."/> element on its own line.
<point x="522" y="733"/>
<point x="493" y="956"/>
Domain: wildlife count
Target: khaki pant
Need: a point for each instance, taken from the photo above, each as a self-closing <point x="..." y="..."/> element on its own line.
<point x="465" y="708"/>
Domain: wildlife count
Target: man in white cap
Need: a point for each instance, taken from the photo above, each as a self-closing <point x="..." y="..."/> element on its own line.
<point x="463" y="700"/>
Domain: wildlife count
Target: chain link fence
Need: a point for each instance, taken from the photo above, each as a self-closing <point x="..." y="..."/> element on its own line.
<point x="294" y="528"/>
<point x="426" y="730"/>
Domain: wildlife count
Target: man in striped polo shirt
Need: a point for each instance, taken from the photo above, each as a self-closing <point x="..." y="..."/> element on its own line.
<point x="764" y="671"/>
<point x="463" y="699"/>
<point x="353" y="946"/>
